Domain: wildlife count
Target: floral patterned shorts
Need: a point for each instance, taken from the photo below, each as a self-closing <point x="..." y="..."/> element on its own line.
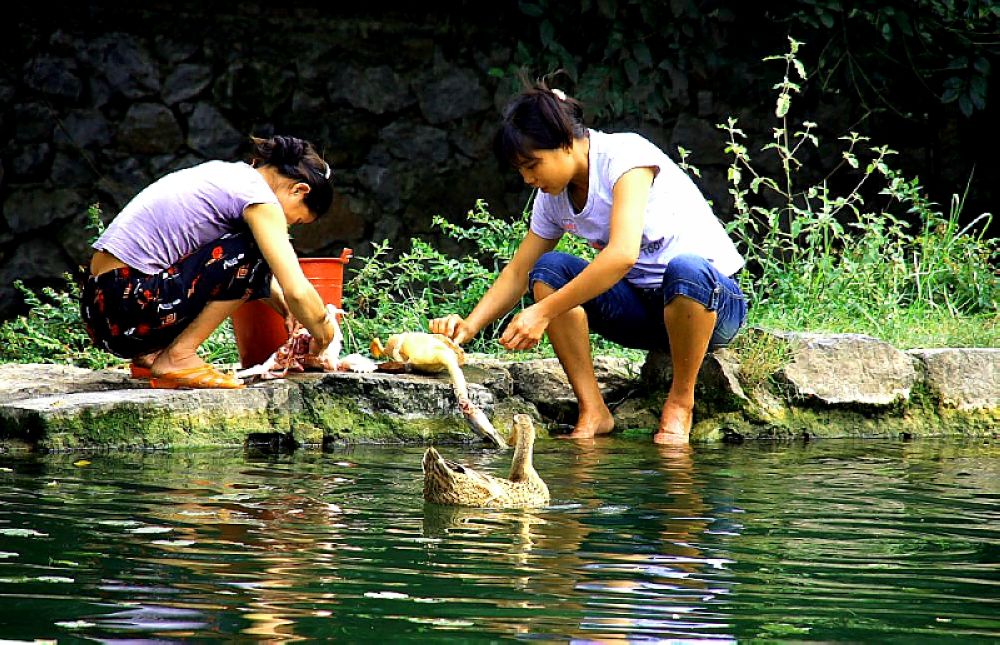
<point x="129" y="313"/>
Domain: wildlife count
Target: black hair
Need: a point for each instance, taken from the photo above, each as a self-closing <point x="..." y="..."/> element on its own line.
<point x="297" y="159"/>
<point x="539" y="118"/>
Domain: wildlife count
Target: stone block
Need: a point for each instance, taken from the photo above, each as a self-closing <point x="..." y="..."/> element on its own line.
<point x="846" y="369"/>
<point x="962" y="378"/>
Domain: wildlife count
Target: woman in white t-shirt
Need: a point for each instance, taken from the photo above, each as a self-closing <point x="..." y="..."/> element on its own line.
<point x="663" y="274"/>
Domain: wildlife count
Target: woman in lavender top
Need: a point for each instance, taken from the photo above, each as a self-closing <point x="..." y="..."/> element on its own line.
<point x="193" y="246"/>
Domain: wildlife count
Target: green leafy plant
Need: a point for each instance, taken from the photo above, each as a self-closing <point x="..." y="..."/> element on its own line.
<point x="878" y="51"/>
<point x="392" y="294"/>
<point x="52" y="331"/>
<point x="844" y="259"/>
<point x="885" y="55"/>
<point x="402" y="293"/>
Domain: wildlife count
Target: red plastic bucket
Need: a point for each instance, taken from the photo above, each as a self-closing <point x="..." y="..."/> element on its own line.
<point x="258" y="328"/>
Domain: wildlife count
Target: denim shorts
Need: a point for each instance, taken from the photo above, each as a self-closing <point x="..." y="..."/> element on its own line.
<point x="633" y="317"/>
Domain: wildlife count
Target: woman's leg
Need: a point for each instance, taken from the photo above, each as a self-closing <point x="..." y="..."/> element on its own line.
<point x="161" y="319"/>
<point x="703" y="309"/>
<point x="618" y="314"/>
<point x="689" y="328"/>
<point x="182" y="353"/>
<point x="570" y="338"/>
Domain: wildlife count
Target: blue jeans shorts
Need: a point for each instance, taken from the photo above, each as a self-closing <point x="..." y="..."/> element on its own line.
<point x="633" y="317"/>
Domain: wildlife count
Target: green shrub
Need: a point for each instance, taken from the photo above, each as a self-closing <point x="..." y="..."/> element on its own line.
<point x="52" y="331"/>
<point x="389" y="295"/>
<point x="848" y="261"/>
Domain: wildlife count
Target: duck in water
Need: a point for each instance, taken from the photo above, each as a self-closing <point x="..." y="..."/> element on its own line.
<point x="447" y="482"/>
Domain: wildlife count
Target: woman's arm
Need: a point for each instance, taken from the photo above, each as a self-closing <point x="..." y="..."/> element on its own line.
<point x="270" y="230"/>
<point x="277" y="302"/>
<point x="502" y="295"/>
<point x="628" y="210"/>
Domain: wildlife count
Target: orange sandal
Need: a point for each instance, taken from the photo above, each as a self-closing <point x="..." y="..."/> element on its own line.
<point x="201" y="377"/>
<point x="138" y="371"/>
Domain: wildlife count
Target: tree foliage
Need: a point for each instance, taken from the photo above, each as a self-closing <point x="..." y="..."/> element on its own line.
<point x="636" y="58"/>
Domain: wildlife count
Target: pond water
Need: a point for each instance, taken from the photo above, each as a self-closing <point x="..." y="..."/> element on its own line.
<point x="838" y="541"/>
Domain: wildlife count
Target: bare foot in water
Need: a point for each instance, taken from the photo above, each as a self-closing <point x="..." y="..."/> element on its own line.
<point x="592" y="425"/>
<point x="675" y="424"/>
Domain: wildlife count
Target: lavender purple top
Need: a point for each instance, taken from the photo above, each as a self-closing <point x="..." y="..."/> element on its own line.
<point x="182" y="212"/>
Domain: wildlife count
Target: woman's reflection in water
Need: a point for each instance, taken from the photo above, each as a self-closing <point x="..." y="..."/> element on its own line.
<point x="643" y="568"/>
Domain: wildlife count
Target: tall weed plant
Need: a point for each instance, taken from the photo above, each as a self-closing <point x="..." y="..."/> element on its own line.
<point x="874" y="257"/>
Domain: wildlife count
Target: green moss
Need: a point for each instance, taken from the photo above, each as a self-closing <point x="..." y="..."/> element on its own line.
<point x="338" y="418"/>
<point x="793" y="422"/>
<point x="127" y="426"/>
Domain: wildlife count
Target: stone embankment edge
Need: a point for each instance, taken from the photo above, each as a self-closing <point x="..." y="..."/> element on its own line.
<point x="825" y="386"/>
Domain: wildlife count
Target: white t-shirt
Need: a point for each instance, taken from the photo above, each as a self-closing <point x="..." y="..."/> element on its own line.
<point x="678" y="220"/>
<point x="181" y="212"/>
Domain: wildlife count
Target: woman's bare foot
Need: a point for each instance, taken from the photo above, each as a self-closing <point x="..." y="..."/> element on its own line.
<point x="592" y="425"/>
<point x="675" y="424"/>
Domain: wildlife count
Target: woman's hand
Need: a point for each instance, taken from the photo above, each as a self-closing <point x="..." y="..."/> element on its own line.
<point x="454" y="327"/>
<point x="315" y="347"/>
<point x="526" y="329"/>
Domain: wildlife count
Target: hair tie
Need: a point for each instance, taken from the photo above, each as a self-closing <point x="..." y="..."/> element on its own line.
<point x="559" y="94"/>
<point x="326" y="175"/>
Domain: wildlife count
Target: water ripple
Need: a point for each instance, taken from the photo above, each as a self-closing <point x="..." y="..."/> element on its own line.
<point x="835" y="541"/>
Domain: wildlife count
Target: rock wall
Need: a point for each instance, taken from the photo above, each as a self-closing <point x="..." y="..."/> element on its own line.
<point x="97" y="99"/>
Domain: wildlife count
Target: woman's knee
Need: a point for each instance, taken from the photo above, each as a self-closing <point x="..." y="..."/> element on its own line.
<point x="540" y="290"/>
<point x="554" y="270"/>
<point x="691" y="268"/>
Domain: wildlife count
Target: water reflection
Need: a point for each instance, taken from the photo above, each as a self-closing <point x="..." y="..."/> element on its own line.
<point x="847" y="541"/>
<point x="639" y="559"/>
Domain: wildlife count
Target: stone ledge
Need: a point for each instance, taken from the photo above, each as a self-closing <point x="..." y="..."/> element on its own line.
<point x="829" y="386"/>
<point x="964" y="379"/>
<point x="847" y="369"/>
